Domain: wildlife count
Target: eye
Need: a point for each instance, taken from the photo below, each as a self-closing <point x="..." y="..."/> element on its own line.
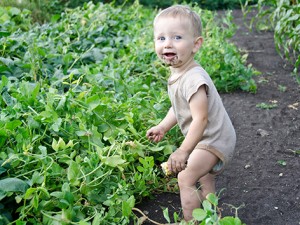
<point x="177" y="37"/>
<point x="161" y="38"/>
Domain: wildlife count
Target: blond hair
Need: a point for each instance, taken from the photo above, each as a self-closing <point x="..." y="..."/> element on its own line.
<point x="185" y="12"/>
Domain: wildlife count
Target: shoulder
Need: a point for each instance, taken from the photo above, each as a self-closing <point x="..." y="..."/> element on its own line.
<point x="195" y="76"/>
<point x="193" y="80"/>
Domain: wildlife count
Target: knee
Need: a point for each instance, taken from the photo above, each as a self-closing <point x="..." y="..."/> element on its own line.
<point x="184" y="180"/>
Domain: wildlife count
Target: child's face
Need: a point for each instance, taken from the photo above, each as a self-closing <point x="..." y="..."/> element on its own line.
<point x="175" y="43"/>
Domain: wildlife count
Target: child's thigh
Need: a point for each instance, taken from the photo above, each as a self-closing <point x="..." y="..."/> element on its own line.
<point x="199" y="164"/>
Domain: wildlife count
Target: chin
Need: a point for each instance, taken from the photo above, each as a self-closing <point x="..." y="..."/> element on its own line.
<point x="173" y="63"/>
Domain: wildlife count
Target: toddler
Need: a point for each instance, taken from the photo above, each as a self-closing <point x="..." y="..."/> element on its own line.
<point x="196" y="107"/>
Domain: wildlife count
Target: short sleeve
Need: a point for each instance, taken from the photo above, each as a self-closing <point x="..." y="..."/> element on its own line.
<point x="191" y="85"/>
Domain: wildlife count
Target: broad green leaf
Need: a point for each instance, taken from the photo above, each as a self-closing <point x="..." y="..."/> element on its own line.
<point x="35" y="201"/>
<point x="212" y="198"/>
<point x="14" y="11"/>
<point x="63" y="203"/>
<point x="168" y="149"/>
<point x="56" y="125"/>
<point x="37" y="178"/>
<point x="140" y="169"/>
<point x="4" y="82"/>
<point x="97" y="219"/>
<point x="20" y="222"/>
<point x="73" y="173"/>
<point x="58" y="145"/>
<point x="57" y="194"/>
<point x="65" y="187"/>
<point x="113" y="161"/>
<point x="81" y="133"/>
<point x="30" y="193"/>
<point x="2" y="194"/>
<point x="207" y="206"/>
<point x="166" y="215"/>
<point x="61" y="103"/>
<point x="44" y="194"/>
<point x="156" y="148"/>
<point x="13" y="185"/>
<point x="228" y="220"/>
<point x="2" y="169"/>
<point x="127" y="206"/>
<point x="55" y="18"/>
<point x="93" y="102"/>
<point x="8" y="99"/>
<point x="43" y="150"/>
<point x="199" y="214"/>
<point x="69" y="197"/>
<point x="32" y="123"/>
<point x="103" y="127"/>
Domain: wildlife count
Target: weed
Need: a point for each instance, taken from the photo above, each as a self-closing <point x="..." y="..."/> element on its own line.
<point x="264" y="105"/>
<point x="281" y="162"/>
<point x="208" y="214"/>
<point x="282" y="88"/>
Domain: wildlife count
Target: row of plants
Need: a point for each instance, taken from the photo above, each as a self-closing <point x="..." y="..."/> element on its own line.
<point x="43" y="9"/>
<point x="280" y="15"/>
<point x="205" y="4"/>
<point x="77" y="95"/>
<point x="283" y="17"/>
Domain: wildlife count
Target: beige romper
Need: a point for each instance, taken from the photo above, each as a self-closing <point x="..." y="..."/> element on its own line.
<point x="219" y="135"/>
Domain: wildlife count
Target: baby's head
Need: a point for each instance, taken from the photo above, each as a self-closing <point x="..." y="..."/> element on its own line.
<point x="183" y="12"/>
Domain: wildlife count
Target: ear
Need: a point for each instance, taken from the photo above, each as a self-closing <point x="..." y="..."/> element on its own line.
<point x="197" y="44"/>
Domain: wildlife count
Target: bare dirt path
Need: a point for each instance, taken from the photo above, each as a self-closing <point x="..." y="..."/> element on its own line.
<point x="265" y="173"/>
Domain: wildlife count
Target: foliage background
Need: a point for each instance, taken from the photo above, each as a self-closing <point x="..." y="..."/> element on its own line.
<point x="282" y="17"/>
<point x="43" y="9"/>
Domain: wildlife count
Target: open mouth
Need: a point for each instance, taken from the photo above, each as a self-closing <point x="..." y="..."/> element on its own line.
<point x="169" y="54"/>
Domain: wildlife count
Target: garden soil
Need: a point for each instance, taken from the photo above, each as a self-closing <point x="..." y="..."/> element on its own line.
<point x="263" y="179"/>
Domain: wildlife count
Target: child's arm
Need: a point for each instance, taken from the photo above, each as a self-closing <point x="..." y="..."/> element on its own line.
<point x="157" y="133"/>
<point x="199" y="110"/>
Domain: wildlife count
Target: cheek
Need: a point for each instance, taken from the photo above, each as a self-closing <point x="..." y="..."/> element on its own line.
<point x="187" y="49"/>
<point x="157" y="48"/>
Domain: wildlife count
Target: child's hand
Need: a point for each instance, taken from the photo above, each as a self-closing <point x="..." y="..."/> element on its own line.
<point x="177" y="160"/>
<point x="156" y="133"/>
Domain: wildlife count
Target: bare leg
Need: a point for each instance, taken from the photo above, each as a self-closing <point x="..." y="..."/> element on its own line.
<point x="208" y="185"/>
<point x="199" y="164"/>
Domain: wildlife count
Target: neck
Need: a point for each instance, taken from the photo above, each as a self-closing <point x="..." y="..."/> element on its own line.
<point x="183" y="68"/>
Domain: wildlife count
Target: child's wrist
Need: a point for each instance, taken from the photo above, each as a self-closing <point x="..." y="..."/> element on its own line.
<point x="162" y="127"/>
<point x="180" y="149"/>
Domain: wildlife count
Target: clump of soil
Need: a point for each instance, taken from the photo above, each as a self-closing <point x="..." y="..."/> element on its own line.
<point x="264" y="175"/>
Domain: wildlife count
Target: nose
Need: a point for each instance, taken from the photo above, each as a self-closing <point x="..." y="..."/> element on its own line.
<point x="168" y="43"/>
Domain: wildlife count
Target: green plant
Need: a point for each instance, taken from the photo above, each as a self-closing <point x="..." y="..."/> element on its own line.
<point x="76" y="97"/>
<point x="208" y="214"/>
<point x="296" y="152"/>
<point x="264" y="105"/>
<point x="226" y="66"/>
<point x="282" y="88"/>
<point x="41" y="11"/>
<point x="284" y="18"/>
<point x="13" y="19"/>
<point x="281" y="162"/>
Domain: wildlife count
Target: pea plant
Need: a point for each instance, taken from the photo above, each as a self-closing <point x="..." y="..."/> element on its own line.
<point x="76" y="97"/>
<point x="208" y="214"/>
<point x="283" y="17"/>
